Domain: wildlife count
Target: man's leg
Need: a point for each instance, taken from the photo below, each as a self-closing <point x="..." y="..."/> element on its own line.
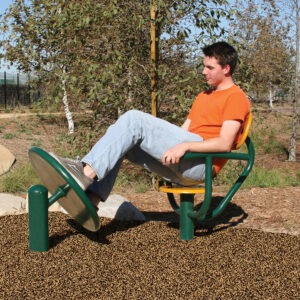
<point x="103" y="187"/>
<point x="170" y="173"/>
<point x="152" y="135"/>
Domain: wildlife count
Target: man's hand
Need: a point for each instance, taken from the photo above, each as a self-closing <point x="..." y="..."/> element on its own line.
<point x="222" y="143"/>
<point x="174" y="154"/>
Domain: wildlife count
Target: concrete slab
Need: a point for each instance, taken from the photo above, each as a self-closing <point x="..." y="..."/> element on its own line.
<point x="119" y="208"/>
<point x="115" y="207"/>
<point x="11" y="205"/>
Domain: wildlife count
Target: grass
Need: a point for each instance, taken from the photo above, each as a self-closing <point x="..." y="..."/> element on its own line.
<point x="9" y="136"/>
<point x="267" y="142"/>
<point x="19" y="179"/>
<point x="260" y="177"/>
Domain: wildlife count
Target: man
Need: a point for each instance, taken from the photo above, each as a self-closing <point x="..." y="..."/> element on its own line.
<point x="213" y="125"/>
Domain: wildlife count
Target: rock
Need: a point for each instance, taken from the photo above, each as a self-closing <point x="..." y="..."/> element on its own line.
<point x="6" y="160"/>
<point x="119" y="208"/>
<point x="11" y="205"/>
<point x="115" y="207"/>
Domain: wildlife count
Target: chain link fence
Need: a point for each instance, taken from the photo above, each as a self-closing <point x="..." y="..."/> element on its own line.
<point x="14" y="90"/>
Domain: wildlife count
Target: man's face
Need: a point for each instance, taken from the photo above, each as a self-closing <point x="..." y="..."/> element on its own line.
<point x="214" y="73"/>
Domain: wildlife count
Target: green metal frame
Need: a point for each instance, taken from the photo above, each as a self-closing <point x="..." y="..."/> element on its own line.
<point x="188" y="215"/>
<point x="38" y="204"/>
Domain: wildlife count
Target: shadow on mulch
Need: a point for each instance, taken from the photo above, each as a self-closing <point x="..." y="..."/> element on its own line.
<point x="131" y="260"/>
<point x="231" y="217"/>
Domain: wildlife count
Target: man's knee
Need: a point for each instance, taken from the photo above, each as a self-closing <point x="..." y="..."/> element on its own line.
<point x="132" y="116"/>
<point x="132" y="113"/>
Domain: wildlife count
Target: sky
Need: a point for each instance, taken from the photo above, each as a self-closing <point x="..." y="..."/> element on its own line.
<point x="4" y="4"/>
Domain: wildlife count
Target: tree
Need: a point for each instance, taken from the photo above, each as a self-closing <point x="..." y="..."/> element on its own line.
<point x="294" y="17"/>
<point x="97" y="53"/>
<point x="292" y="150"/>
<point x="270" y="39"/>
<point x="264" y="51"/>
<point x="181" y="27"/>
<point x="62" y="41"/>
<point x="290" y="13"/>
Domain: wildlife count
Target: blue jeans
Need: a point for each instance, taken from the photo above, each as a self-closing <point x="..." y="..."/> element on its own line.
<point x="143" y="139"/>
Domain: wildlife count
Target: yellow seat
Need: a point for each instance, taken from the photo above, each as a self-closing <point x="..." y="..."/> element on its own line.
<point x="186" y="210"/>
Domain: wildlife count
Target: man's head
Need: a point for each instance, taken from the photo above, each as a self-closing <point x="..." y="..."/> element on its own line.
<point x="225" y="54"/>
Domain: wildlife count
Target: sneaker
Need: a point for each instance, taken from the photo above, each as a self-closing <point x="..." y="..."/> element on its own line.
<point x="75" y="168"/>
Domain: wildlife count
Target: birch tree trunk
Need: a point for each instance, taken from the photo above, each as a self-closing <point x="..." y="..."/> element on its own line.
<point x="154" y="57"/>
<point x="270" y="96"/>
<point x="66" y="105"/>
<point x="292" y="150"/>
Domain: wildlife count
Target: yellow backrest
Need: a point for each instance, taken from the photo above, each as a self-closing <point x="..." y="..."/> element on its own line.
<point x="245" y="131"/>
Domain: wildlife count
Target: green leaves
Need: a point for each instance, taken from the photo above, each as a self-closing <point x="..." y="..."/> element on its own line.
<point x="266" y="59"/>
<point x="104" y="46"/>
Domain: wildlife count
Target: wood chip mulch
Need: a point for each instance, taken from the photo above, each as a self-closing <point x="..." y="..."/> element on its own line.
<point x="130" y="260"/>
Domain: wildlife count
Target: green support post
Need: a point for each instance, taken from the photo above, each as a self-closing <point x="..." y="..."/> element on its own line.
<point x="38" y="218"/>
<point x="186" y="223"/>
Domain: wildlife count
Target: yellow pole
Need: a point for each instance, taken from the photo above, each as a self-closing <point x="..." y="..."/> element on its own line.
<point x="154" y="59"/>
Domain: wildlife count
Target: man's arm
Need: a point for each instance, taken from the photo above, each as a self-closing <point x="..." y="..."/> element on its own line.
<point x="222" y="143"/>
<point x="186" y="124"/>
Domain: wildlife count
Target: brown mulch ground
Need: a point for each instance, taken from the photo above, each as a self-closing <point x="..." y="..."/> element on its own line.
<point x="146" y="261"/>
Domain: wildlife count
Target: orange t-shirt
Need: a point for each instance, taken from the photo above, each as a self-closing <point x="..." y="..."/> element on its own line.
<point x="210" y="109"/>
